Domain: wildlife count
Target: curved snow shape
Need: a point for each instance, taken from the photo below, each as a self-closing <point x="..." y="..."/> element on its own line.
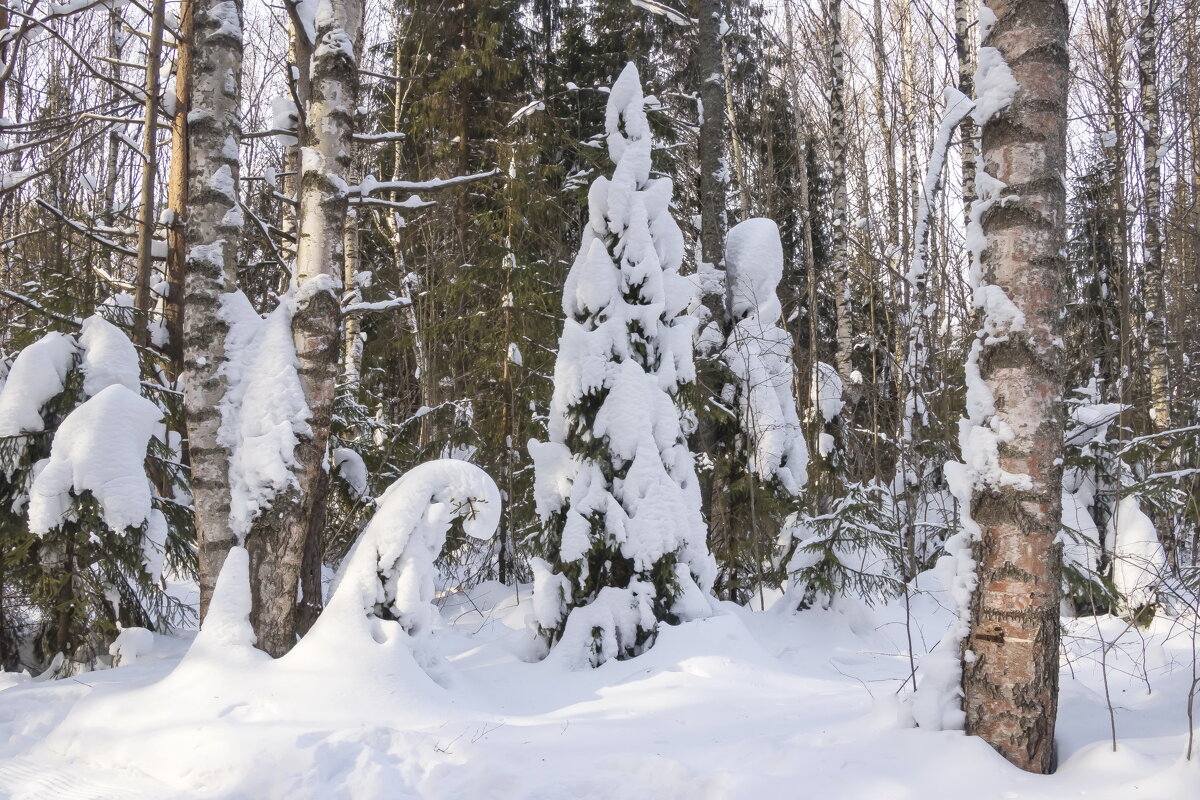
<point x="100" y="447"/>
<point x="36" y="377"/>
<point x="108" y="357"/>
<point x="389" y="574"/>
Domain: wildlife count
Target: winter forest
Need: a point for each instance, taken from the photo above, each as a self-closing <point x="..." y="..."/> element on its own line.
<point x="599" y="399"/>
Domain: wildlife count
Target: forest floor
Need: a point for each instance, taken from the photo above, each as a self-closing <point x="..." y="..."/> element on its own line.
<point x="745" y="704"/>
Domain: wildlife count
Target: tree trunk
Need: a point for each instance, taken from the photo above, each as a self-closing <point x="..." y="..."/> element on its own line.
<point x="714" y="172"/>
<point x="840" y="266"/>
<point x="1011" y="683"/>
<point x="1155" y="270"/>
<point x="211" y="235"/>
<point x="276" y="542"/>
<point x="177" y="184"/>
<point x="963" y="23"/>
<point x="145" y="250"/>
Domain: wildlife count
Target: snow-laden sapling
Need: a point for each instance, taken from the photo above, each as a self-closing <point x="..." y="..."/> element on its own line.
<point x="86" y="491"/>
<point x="616" y="483"/>
<point x="386" y="585"/>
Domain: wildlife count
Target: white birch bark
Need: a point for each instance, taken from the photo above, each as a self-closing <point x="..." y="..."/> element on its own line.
<point x="211" y="235"/>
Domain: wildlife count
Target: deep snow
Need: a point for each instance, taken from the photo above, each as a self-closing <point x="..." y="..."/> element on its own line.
<point x="745" y="704"/>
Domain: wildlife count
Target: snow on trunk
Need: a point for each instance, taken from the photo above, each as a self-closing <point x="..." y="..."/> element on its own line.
<point x="1010" y="481"/>
<point x="212" y="233"/>
<point x="616" y="482"/>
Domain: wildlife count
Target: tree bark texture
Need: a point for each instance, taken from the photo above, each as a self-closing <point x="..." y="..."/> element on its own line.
<point x="276" y="541"/>
<point x="177" y="184"/>
<point x="1010" y="677"/>
<point x="145" y="249"/>
<point x="1155" y="269"/>
<point x="837" y="142"/>
<point x="211" y="234"/>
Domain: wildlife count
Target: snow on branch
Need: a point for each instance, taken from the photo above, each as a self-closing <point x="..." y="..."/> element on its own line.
<point x="664" y="10"/>
<point x="369" y="185"/>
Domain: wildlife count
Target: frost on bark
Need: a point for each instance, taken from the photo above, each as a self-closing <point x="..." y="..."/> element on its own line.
<point x="1012" y="444"/>
<point x="276" y="540"/>
<point x="211" y="234"/>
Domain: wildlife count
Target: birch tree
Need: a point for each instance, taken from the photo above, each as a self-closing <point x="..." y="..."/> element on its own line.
<point x="211" y="236"/>
<point x="1013" y="444"/>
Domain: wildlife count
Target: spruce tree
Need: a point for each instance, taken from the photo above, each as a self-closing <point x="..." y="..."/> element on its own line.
<point x="616" y="482"/>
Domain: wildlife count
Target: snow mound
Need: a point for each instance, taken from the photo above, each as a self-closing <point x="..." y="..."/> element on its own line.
<point x="109" y="358"/>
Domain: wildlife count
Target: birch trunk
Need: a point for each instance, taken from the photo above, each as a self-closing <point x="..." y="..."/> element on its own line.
<point x="276" y="542"/>
<point x="211" y="236"/>
<point x="963" y="23"/>
<point x="837" y="142"/>
<point x="1155" y="269"/>
<point x="1011" y="683"/>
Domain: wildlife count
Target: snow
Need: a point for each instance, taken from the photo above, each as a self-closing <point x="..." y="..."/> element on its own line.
<point x="995" y="86"/>
<point x="353" y="471"/>
<point x="36" y="377"/>
<point x="759" y="355"/>
<point x="100" y="448"/>
<point x="131" y="644"/>
<point x="1139" y="563"/>
<point x="264" y="411"/>
<point x="827" y="392"/>
<point x="738" y="705"/>
<point x="109" y="358"/>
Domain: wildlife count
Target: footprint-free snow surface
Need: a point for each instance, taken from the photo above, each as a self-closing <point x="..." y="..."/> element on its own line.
<point x="745" y="704"/>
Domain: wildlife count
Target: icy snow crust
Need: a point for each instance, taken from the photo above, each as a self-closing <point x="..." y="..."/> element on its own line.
<point x="739" y="705"/>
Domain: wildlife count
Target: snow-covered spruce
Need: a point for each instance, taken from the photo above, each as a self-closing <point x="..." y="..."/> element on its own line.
<point x="616" y="483"/>
<point x="759" y="354"/>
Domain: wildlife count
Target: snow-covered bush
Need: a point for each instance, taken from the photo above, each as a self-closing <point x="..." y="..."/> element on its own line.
<point x="92" y="499"/>
<point x="390" y="575"/>
<point x="616" y="483"/>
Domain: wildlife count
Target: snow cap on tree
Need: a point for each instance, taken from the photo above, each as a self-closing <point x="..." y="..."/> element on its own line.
<point x="759" y="354"/>
<point x="616" y="482"/>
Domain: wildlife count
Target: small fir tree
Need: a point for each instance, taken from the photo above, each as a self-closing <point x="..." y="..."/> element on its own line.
<point x="616" y="482"/>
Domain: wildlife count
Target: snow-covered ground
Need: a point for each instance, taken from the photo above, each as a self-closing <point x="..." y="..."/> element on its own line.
<point x="740" y="705"/>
